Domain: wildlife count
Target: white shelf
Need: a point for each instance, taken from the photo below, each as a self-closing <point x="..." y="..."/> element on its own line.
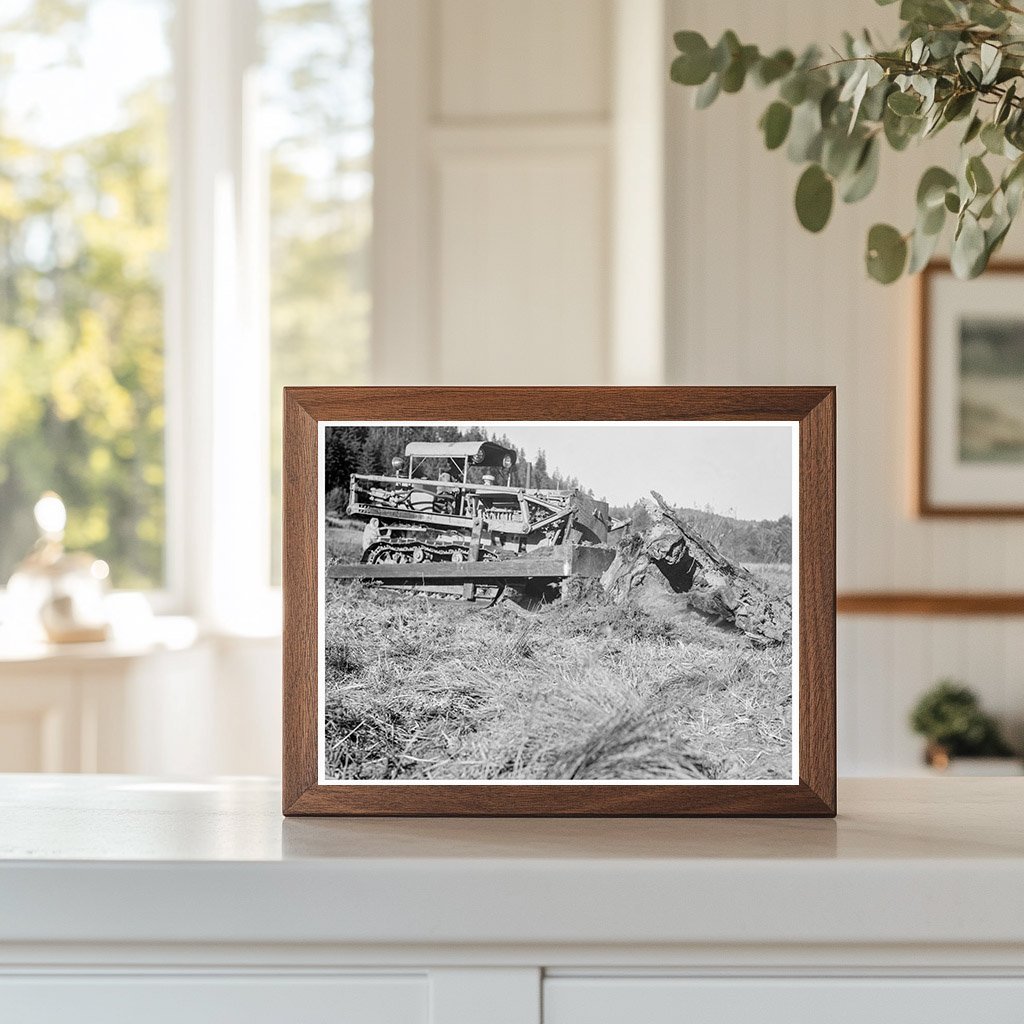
<point x="122" y="860"/>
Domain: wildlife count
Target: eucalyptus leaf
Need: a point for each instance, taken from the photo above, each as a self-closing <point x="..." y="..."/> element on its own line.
<point x="707" y="93"/>
<point x="1013" y="187"/>
<point x="973" y="130"/>
<point x="968" y="247"/>
<point x="865" y="173"/>
<point x="900" y="130"/>
<point x="873" y="106"/>
<point x="691" y="70"/>
<point x="991" y="61"/>
<point x="995" y="233"/>
<point x="840" y="152"/>
<point x="1014" y="192"/>
<point x="931" y="222"/>
<point x="814" y="195"/>
<point x="922" y="248"/>
<point x="944" y="44"/>
<point x="775" y="122"/>
<point x="978" y="176"/>
<point x="805" y="133"/>
<point x="827" y="106"/>
<point x="966" y="187"/>
<point x="993" y="138"/>
<point x="958" y="105"/>
<point x="925" y="87"/>
<point x="904" y="103"/>
<point x="735" y="74"/>
<point x="931" y="190"/>
<point x="932" y="122"/>
<point x="794" y="88"/>
<point x="724" y="51"/>
<point x="930" y="12"/>
<point x="1005" y="105"/>
<point x="854" y="91"/>
<point x="771" y="69"/>
<point x="987" y="15"/>
<point x="886" y="253"/>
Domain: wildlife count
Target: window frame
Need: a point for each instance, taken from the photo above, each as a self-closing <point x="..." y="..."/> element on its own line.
<point x="217" y="345"/>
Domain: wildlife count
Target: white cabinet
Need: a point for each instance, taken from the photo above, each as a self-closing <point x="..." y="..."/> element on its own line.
<point x="653" y="1000"/>
<point x="127" y="899"/>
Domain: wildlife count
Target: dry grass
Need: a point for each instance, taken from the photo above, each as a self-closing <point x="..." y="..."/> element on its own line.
<point x="343" y="544"/>
<point x="777" y="575"/>
<point x="418" y="688"/>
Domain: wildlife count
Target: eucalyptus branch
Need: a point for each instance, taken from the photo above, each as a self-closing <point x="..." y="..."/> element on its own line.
<point x="954" y="60"/>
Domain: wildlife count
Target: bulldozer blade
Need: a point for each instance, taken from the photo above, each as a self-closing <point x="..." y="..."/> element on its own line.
<point x="562" y="561"/>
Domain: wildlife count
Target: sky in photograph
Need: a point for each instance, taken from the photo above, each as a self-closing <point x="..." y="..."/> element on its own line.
<point x="740" y="469"/>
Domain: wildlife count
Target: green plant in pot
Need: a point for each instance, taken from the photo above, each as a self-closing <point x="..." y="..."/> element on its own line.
<point x="957" y="62"/>
<point x="950" y="717"/>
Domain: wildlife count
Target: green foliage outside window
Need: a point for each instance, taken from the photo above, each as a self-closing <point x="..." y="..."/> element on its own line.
<point x="83" y="243"/>
<point x="83" y="217"/>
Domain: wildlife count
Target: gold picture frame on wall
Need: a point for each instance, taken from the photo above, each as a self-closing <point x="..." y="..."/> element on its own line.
<point x="970" y="385"/>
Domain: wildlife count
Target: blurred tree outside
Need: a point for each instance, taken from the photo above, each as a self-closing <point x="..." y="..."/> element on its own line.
<point x="83" y="233"/>
<point x="317" y="88"/>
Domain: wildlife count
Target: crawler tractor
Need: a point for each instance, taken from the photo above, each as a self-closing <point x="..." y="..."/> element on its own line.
<point x="444" y="524"/>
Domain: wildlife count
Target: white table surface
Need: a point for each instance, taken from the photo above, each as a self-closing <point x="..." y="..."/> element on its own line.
<point x="125" y="859"/>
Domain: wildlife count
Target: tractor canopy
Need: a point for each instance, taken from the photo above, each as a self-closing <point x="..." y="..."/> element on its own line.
<point x="478" y="453"/>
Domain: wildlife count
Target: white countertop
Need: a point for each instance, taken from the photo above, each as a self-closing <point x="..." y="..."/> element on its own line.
<point x="121" y="859"/>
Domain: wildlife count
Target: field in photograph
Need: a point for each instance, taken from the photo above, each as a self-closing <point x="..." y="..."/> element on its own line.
<point x="421" y="688"/>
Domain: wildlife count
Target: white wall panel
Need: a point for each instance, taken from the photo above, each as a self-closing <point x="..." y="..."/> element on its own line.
<point x="521" y="288"/>
<point x="754" y="299"/>
<point x="527" y="58"/>
<point x="493" y="202"/>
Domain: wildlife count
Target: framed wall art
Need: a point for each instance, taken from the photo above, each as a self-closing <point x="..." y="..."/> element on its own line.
<point x="559" y="601"/>
<point x="970" y="445"/>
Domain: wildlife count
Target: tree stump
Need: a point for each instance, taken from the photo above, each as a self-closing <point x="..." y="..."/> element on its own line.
<point x="671" y="554"/>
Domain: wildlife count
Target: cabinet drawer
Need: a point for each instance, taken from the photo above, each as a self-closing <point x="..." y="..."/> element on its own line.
<point x="205" y="999"/>
<point x="782" y="1001"/>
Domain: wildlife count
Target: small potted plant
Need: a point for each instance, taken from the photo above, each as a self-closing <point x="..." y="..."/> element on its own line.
<point x="950" y="718"/>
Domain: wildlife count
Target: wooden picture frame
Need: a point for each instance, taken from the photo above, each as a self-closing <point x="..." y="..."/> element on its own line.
<point x="931" y="374"/>
<point x="811" y="790"/>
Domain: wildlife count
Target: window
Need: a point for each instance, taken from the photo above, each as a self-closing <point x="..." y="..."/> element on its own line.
<point x="236" y="212"/>
<point x="317" y="116"/>
<point x="83" y="236"/>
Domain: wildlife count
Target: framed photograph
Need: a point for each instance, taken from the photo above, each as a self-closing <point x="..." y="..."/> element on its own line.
<point x="970" y="451"/>
<point x="559" y="601"/>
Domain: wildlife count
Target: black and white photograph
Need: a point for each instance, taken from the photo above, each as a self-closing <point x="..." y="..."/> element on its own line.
<point x="558" y="602"/>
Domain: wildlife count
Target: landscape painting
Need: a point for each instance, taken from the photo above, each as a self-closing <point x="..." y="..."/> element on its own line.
<point x="540" y="602"/>
<point x="991" y="389"/>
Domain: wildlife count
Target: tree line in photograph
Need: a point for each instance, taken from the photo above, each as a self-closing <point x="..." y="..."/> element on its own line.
<point x="370" y="449"/>
<point x="749" y="541"/>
